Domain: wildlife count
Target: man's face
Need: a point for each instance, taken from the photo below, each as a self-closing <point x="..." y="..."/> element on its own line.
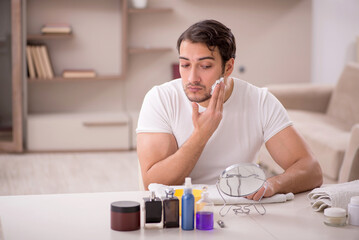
<point x="199" y="69"/>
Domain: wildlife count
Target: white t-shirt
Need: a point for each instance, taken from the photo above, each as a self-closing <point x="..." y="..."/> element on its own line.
<point x="251" y="116"/>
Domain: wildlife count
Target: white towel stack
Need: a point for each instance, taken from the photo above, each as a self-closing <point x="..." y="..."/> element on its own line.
<point x="334" y="195"/>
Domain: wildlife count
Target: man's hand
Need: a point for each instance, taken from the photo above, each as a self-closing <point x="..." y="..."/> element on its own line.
<point x="206" y="123"/>
<point x="267" y="190"/>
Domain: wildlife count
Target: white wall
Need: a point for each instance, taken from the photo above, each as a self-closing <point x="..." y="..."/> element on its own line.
<point x="335" y="30"/>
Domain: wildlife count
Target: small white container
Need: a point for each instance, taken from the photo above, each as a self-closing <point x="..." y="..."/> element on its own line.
<point x="353" y="211"/>
<point x="335" y="217"/>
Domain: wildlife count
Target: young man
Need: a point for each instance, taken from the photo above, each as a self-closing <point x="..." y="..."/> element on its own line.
<point x="183" y="130"/>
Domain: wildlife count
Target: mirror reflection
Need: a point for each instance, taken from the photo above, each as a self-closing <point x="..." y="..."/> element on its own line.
<point x="241" y="179"/>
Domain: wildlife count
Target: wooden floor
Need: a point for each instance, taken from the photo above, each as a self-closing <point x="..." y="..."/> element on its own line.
<point x="51" y="173"/>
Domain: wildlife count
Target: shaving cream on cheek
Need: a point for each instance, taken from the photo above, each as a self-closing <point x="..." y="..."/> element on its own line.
<point x="216" y="83"/>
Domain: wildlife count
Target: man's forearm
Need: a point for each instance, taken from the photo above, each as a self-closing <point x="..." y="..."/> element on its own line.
<point x="303" y="175"/>
<point x="175" y="168"/>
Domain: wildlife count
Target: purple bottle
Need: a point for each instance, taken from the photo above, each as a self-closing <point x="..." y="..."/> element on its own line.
<point x="204" y="212"/>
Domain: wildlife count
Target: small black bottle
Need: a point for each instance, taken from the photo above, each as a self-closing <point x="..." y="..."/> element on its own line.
<point x="153" y="211"/>
<point x="170" y="209"/>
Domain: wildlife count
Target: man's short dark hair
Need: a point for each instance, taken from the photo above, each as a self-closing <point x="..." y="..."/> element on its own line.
<point x="213" y="34"/>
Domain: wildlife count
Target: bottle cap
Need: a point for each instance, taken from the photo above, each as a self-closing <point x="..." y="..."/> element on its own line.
<point x="152" y="195"/>
<point x="354" y="200"/>
<point x="335" y="212"/>
<point x="125" y="206"/>
<point x="169" y="192"/>
<point x="205" y="192"/>
<point x="188" y="183"/>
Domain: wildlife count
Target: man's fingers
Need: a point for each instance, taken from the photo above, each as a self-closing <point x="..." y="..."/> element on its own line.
<point x="250" y="197"/>
<point x="213" y="102"/>
<point x="220" y="100"/>
<point x="194" y="111"/>
<point x="217" y="99"/>
<point x="257" y="195"/>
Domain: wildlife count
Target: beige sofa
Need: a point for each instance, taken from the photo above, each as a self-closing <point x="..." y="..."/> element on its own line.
<point x="328" y="118"/>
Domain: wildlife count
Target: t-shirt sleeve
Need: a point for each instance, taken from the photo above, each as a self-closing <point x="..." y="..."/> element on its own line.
<point x="274" y="116"/>
<point x="154" y="116"/>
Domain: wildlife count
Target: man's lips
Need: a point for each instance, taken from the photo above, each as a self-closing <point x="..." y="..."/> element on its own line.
<point x="194" y="88"/>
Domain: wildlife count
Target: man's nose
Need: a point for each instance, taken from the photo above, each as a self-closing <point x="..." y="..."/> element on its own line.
<point x="193" y="76"/>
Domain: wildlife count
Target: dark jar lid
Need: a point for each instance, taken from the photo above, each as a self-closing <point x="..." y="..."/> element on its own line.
<point x="125" y="206"/>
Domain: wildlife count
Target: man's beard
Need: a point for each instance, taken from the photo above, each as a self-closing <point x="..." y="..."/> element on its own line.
<point x="197" y="99"/>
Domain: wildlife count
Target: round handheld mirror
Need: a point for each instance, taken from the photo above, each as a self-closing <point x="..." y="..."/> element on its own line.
<point x="241" y="179"/>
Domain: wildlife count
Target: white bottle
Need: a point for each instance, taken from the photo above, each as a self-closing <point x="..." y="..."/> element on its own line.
<point x="353" y="211"/>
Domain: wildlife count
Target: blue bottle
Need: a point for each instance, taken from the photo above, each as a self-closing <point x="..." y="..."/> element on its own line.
<point x="187" y="206"/>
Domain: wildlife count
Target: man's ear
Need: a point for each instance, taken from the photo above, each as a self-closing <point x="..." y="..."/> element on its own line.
<point x="229" y="67"/>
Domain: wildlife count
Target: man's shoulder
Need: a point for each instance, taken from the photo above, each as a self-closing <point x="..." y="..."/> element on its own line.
<point x="248" y="88"/>
<point x="171" y="86"/>
<point x="167" y="90"/>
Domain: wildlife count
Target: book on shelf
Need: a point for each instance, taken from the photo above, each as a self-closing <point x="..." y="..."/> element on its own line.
<point x="78" y="73"/>
<point x="42" y="68"/>
<point x="30" y="62"/>
<point x="46" y="60"/>
<point x="38" y="61"/>
<point x="56" y="28"/>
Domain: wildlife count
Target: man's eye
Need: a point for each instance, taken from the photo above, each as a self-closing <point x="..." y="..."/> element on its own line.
<point x="184" y="65"/>
<point x="206" y="66"/>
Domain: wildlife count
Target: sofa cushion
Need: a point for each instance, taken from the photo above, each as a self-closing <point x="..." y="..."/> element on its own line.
<point x="326" y="136"/>
<point x="343" y="104"/>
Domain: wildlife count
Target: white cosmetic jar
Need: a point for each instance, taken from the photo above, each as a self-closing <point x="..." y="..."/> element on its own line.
<point x="353" y="211"/>
<point x="335" y="217"/>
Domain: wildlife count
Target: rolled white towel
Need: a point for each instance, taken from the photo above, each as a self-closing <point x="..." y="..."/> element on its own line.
<point x="333" y="195"/>
<point x="217" y="199"/>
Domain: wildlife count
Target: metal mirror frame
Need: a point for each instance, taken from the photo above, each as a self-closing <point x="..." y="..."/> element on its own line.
<point x="259" y="172"/>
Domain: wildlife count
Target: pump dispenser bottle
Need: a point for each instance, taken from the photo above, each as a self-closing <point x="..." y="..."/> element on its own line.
<point x="188" y="206"/>
<point x="204" y="212"/>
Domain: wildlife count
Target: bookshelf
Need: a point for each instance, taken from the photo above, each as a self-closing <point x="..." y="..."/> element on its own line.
<point x="125" y="50"/>
<point x="69" y="96"/>
<point x="45" y="38"/>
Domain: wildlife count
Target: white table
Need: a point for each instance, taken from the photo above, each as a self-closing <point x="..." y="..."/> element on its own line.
<point x="87" y="216"/>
